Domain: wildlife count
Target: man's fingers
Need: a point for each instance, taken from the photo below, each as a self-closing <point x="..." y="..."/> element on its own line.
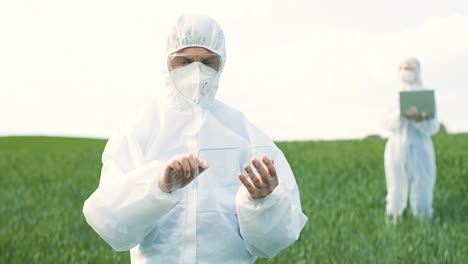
<point x="412" y="112"/>
<point x="186" y="166"/>
<point x="261" y="170"/>
<point x="246" y="182"/>
<point x="192" y="161"/>
<point x="202" y="163"/>
<point x="193" y="164"/>
<point x="180" y="171"/>
<point x="253" y="176"/>
<point x="176" y="165"/>
<point x="270" y="167"/>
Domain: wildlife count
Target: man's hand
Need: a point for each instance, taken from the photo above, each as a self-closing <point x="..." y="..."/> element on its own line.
<point x="413" y="114"/>
<point x="180" y="171"/>
<point x="262" y="182"/>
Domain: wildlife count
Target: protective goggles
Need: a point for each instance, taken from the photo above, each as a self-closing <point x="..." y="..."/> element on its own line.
<point x="179" y="60"/>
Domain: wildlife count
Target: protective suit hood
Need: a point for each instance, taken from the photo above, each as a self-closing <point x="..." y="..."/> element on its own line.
<point x="417" y="83"/>
<point x="194" y="31"/>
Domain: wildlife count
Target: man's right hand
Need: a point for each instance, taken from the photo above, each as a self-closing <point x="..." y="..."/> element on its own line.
<point x="181" y="170"/>
<point x="415" y="115"/>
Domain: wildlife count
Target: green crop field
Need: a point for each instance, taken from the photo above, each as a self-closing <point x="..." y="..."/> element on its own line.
<point x="44" y="182"/>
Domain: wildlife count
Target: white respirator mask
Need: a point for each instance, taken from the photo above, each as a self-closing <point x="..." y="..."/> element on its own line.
<point x="193" y="81"/>
<point x="408" y="77"/>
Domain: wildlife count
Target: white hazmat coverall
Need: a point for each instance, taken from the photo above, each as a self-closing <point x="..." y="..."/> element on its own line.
<point x="211" y="220"/>
<point x="409" y="158"/>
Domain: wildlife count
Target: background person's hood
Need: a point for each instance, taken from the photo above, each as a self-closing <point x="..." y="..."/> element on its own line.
<point x="417" y="85"/>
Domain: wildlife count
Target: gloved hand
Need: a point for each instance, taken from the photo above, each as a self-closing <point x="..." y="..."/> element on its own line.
<point x="181" y="170"/>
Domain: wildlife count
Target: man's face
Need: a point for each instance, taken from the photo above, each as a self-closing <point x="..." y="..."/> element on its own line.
<point x="186" y="56"/>
<point x="405" y="66"/>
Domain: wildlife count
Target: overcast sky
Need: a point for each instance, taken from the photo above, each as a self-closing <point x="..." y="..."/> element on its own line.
<point x="297" y="69"/>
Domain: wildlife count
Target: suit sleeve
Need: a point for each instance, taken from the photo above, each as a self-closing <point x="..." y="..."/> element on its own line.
<point x="271" y="224"/>
<point x="128" y="201"/>
<point x="393" y="119"/>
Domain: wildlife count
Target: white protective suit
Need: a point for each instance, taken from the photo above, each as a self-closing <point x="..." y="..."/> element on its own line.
<point x="409" y="159"/>
<point x="211" y="220"/>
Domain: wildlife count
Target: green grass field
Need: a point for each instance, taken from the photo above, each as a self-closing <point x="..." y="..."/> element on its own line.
<point x="44" y="182"/>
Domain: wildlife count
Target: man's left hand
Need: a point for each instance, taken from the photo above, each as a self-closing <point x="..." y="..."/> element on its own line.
<point x="263" y="181"/>
<point x="415" y="115"/>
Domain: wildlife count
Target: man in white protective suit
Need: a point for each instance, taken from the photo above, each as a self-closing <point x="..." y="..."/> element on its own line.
<point x="410" y="166"/>
<point x="159" y="199"/>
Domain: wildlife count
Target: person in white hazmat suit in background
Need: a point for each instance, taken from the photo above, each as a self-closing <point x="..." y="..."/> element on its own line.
<point x="157" y="198"/>
<point x="410" y="166"/>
